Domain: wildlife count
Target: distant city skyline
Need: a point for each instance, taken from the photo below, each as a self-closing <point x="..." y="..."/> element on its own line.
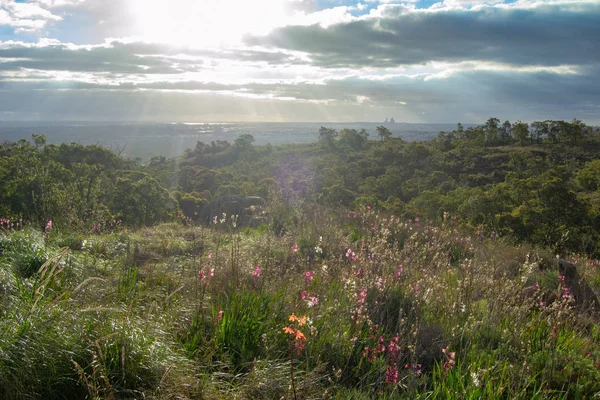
<point x="299" y="60"/>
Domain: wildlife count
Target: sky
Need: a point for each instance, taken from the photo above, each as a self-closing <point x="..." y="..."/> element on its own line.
<point x="299" y="60"/>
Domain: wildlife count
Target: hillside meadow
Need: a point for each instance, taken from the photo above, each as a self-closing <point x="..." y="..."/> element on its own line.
<point x="464" y="267"/>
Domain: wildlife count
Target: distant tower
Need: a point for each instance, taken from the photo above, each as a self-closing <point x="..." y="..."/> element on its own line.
<point x="386" y="121"/>
<point x="392" y="121"/>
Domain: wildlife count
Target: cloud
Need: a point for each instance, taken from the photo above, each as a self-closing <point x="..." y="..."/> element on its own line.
<point x="117" y="57"/>
<point x="392" y="35"/>
<point x="471" y="95"/>
<point x="25" y="17"/>
<point x="454" y="61"/>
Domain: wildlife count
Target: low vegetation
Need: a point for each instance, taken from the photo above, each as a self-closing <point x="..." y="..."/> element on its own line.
<point x="111" y="287"/>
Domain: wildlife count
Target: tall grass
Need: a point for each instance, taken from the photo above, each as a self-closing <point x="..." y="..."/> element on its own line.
<point x="394" y="309"/>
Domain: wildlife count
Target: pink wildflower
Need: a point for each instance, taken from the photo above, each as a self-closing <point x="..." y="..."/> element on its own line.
<point x="309" y="276"/>
<point x="399" y="271"/>
<point x="391" y="374"/>
<point x="256" y="272"/>
<point x="350" y="255"/>
<point x="449" y="363"/>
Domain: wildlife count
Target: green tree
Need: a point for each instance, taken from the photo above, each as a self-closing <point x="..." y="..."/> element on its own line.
<point x="521" y="132"/>
<point x="327" y="136"/>
<point x="383" y="132"/>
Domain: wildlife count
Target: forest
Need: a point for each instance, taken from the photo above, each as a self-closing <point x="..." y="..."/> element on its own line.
<point x="356" y="267"/>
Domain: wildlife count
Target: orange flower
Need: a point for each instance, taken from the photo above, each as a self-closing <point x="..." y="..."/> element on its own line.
<point x="293" y="318"/>
<point x="288" y="330"/>
<point x="301" y="321"/>
<point x="300" y="335"/>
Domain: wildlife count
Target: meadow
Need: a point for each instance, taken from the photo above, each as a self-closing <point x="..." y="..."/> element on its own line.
<point x="337" y="305"/>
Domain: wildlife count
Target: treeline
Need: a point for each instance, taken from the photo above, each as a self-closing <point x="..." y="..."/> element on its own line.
<point x="535" y="182"/>
<point x="80" y="187"/>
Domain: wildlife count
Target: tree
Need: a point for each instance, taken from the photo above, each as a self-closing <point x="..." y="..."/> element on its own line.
<point x="506" y="131"/>
<point x="244" y="141"/>
<point x="539" y="130"/>
<point x="327" y="135"/>
<point x="383" y="132"/>
<point x="353" y="138"/>
<point x="521" y="131"/>
<point x="491" y="130"/>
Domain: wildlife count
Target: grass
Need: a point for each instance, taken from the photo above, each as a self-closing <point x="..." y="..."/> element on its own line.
<point x="394" y="310"/>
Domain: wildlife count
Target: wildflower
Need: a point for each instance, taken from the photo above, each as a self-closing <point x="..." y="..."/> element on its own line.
<point x="393" y="348"/>
<point x="256" y="272"/>
<point x="295" y="248"/>
<point x="475" y="379"/>
<point x="350" y="255"/>
<point x="399" y="271"/>
<point x="288" y="330"/>
<point x="361" y="297"/>
<point x="312" y="301"/>
<point x="391" y="374"/>
<point x="564" y="288"/>
<point x="296" y="334"/>
<point x="449" y="363"/>
<point x="301" y="321"/>
<point x="206" y="275"/>
<point x="309" y="276"/>
<point x="209" y="256"/>
<point x="220" y="314"/>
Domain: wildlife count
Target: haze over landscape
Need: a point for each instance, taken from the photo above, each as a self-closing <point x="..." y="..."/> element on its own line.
<point x="299" y="60"/>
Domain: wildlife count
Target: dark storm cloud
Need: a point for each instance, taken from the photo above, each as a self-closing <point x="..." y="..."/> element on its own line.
<point x="542" y="35"/>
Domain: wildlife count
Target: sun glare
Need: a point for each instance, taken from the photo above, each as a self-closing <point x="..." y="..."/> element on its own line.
<point x="201" y="23"/>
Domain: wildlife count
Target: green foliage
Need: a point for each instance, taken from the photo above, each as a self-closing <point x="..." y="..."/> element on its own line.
<point x="23" y="251"/>
<point x="248" y="319"/>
